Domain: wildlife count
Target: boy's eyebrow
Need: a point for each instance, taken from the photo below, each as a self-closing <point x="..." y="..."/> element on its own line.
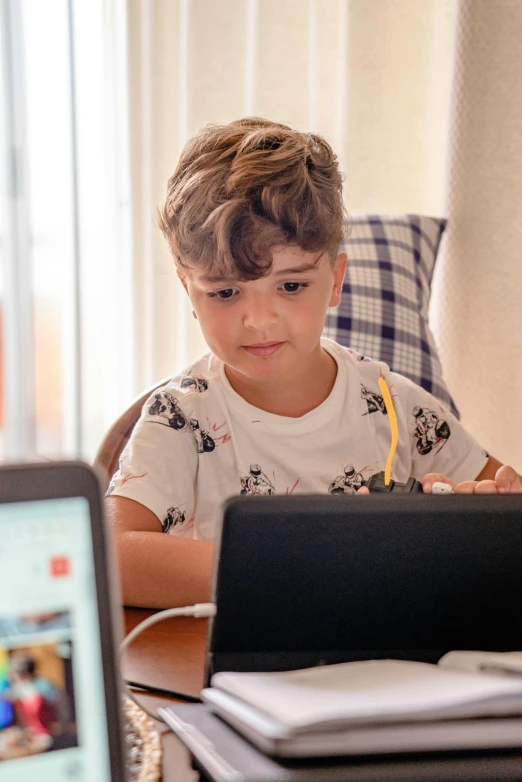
<point x="304" y="267"/>
<point x="214" y="278"/>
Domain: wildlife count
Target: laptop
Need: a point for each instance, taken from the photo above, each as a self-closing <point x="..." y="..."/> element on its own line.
<point x="59" y="699"/>
<point x="308" y="580"/>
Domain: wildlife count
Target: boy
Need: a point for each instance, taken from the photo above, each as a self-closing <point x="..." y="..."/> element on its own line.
<point x="254" y="219"/>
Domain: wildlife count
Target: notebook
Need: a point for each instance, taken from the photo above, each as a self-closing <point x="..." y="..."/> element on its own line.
<point x="303" y="580"/>
<point x="375" y="706"/>
<point x="59" y="700"/>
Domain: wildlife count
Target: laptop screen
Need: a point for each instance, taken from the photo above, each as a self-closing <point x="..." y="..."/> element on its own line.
<point x="53" y="723"/>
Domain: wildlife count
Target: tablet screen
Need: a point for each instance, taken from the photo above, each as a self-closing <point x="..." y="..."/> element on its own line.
<point x="52" y="702"/>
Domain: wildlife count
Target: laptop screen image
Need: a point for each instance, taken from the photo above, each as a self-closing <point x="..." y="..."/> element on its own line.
<point x="53" y="693"/>
<point x="305" y="580"/>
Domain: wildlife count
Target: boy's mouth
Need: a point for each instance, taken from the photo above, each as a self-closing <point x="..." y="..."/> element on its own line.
<point x="263" y="349"/>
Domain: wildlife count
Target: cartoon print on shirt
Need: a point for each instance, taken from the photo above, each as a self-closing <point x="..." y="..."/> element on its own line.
<point x="358" y="356"/>
<point x="174" y="516"/>
<point x="118" y="480"/>
<point x="203" y="440"/>
<point x="430" y="430"/>
<point x="374" y="401"/>
<point x="291" y="489"/>
<point x="348" y="482"/>
<point x="167" y="406"/>
<point x="222" y="438"/>
<point x="195" y="383"/>
<point x="256" y="482"/>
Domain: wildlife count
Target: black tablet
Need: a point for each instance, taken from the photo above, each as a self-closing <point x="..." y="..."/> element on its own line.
<point x="59" y="700"/>
<point x="304" y="580"/>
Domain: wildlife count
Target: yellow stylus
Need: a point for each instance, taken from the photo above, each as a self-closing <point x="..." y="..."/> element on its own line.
<point x="393" y="426"/>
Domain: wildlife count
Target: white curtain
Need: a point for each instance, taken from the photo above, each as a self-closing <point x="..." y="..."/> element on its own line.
<point x="477" y="313"/>
<point x="376" y="78"/>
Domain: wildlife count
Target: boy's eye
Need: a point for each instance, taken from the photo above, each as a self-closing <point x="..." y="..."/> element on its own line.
<point x="294" y="287"/>
<point x="226" y="293"/>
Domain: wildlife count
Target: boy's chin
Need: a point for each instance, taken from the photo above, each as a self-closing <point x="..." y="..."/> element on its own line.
<point x="259" y="370"/>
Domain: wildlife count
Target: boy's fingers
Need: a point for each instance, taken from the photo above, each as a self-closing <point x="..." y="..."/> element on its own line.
<point x="466" y="487"/>
<point x="486" y="487"/>
<point x="363" y="490"/>
<point x="508" y="480"/>
<point x="477" y="487"/>
<point x="436" y="477"/>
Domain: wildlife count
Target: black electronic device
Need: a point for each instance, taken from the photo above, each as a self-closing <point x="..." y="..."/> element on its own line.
<point x="377" y="483"/>
<point x="221" y="754"/>
<point x="307" y="579"/>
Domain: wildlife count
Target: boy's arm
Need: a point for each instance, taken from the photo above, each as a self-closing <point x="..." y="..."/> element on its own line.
<point x="157" y="570"/>
<point x="494" y="478"/>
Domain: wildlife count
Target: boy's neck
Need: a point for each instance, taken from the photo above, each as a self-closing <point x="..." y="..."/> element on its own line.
<point x="291" y="397"/>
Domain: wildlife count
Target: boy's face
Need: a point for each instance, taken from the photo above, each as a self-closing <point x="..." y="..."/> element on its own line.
<point x="269" y="329"/>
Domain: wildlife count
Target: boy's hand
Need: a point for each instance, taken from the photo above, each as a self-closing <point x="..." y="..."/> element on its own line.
<point x="363" y="490"/>
<point x="505" y="481"/>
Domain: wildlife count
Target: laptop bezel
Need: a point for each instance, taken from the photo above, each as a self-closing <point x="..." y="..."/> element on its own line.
<point x="30" y="482"/>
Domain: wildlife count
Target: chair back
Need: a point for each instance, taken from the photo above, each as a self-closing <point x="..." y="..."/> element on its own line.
<point x="107" y="459"/>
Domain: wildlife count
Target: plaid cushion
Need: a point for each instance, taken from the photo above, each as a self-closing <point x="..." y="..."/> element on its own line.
<point x="384" y="307"/>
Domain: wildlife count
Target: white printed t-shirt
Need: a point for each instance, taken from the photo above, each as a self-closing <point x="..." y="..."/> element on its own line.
<point x="198" y="442"/>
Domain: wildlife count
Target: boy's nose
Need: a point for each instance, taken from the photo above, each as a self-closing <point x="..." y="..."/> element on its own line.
<point x="259" y="316"/>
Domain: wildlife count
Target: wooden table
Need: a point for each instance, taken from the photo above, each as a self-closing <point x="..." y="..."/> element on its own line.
<point x="169" y="655"/>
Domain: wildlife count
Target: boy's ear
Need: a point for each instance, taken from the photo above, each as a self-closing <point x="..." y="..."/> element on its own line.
<point x="183" y="282"/>
<point x="339" y="272"/>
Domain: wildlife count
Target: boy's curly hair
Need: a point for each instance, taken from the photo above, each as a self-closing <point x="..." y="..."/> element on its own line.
<point x="242" y="189"/>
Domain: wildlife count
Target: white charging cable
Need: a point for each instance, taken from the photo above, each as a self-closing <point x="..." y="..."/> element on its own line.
<point x="202" y="610"/>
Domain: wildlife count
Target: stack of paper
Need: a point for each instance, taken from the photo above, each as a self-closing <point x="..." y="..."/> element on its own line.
<point x="376" y="706"/>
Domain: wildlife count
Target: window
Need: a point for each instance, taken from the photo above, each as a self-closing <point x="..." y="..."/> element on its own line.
<point x="65" y="268"/>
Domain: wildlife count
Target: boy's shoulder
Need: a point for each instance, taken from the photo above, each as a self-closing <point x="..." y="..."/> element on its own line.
<point x="363" y="365"/>
<point x="194" y="384"/>
<point x="368" y="370"/>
